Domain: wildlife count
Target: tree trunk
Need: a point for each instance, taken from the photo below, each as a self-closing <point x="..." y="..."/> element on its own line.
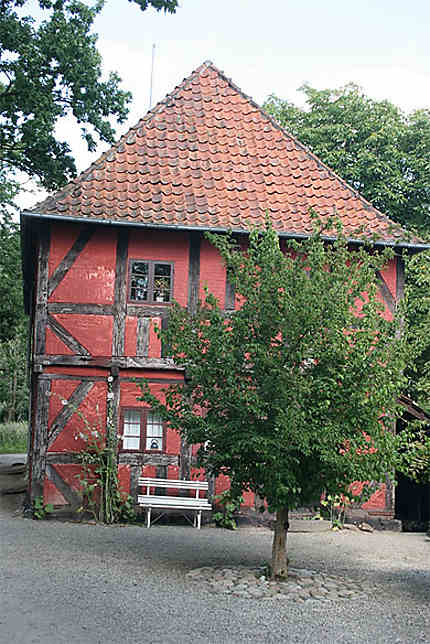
<point x="279" y="546"/>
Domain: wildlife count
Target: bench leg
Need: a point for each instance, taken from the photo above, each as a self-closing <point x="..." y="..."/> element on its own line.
<point x="148" y="517"/>
<point x="199" y="519"/>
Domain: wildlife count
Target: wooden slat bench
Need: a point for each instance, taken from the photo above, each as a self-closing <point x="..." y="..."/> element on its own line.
<point x="195" y="504"/>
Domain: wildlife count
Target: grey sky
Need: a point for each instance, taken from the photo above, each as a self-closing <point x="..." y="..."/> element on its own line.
<point x="273" y="46"/>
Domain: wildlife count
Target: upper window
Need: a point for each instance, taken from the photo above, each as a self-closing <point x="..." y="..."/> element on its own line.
<point x="150" y="281"/>
<point x="142" y="430"/>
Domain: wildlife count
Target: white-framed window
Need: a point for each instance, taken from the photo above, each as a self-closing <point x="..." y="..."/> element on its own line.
<point x="142" y="430"/>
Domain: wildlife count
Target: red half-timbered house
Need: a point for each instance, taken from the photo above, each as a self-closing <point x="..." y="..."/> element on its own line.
<point x="105" y="257"/>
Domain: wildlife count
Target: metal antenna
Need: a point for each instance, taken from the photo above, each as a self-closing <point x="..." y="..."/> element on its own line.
<point x="152" y="75"/>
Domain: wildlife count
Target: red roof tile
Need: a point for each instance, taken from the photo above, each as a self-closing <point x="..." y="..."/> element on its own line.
<point x="207" y="156"/>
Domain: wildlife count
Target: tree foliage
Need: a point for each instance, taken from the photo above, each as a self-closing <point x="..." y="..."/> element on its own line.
<point x="381" y="151"/>
<point x="50" y="68"/>
<point x="13" y="327"/>
<point x="286" y="395"/>
<point x="11" y="304"/>
<point x="13" y="377"/>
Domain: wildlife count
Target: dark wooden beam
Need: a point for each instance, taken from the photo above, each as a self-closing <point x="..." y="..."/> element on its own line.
<point x="130" y="362"/>
<point x="230" y="294"/>
<point x="147" y="459"/>
<point x="147" y="311"/>
<point x="39" y="441"/>
<point x="389" y="494"/>
<point x="71" y="495"/>
<point x="142" y="340"/>
<point x="164" y="345"/>
<point x="78" y="396"/>
<point x="185" y="460"/>
<point x="63" y="376"/>
<point x="114" y="403"/>
<point x="120" y="294"/>
<point x="400" y="278"/>
<point x="41" y="313"/>
<point x="387" y="296"/>
<point x="211" y="488"/>
<point x="195" y="240"/>
<point x="161" y="381"/>
<point x="68" y="261"/>
<point x="193" y="299"/>
<point x="63" y="458"/>
<point x="135" y="472"/>
<point x="80" y="309"/>
<point x="66" y="337"/>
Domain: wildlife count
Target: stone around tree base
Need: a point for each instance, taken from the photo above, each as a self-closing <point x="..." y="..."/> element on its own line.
<point x="251" y="583"/>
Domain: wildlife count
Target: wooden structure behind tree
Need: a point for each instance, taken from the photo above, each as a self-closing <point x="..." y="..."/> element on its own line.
<point x="105" y="257"/>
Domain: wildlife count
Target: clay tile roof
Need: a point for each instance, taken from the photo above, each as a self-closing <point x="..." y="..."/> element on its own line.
<point x="208" y="156"/>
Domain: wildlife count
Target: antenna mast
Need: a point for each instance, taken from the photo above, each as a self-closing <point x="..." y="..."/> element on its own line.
<point x="152" y="75"/>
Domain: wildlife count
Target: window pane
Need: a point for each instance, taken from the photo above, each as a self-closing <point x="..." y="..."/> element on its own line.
<point x="154" y="443"/>
<point x="154" y="432"/>
<point x="154" y="425"/>
<point x="162" y="282"/>
<point x="130" y="443"/>
<point x="162" y="270"/>
<point x="140" y="268"/>
<point x="131" y="422"/>
<point x="139" y="281"/>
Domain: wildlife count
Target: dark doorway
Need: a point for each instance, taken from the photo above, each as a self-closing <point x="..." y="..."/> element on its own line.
<point x="412" y="500"/>
<point x="412" y="504"/>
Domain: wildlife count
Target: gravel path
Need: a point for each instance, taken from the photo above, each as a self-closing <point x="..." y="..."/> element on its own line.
<point x="64" y="583"/>
<point x="67" y="583"/>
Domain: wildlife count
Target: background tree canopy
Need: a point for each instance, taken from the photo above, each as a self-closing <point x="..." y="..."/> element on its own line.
<point x="385" y="155"/>
<point x="49" y="68"/>
<point x="381" y="151"/>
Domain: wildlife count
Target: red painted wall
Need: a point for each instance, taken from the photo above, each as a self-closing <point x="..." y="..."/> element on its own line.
<point x="91" y="281"/>
<point x="93" y="409"/>
<point x="91" y="278"/>
<point x="212" y="272"/>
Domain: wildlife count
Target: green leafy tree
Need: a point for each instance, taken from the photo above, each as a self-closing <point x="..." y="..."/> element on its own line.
<point x="13" y="378"/>
<point x="13" y="326"/>
<point x="296" y="391"/>
<point x="50" y="68"/>
<point x="381" y="151"/>
<point x="11" y="305"/>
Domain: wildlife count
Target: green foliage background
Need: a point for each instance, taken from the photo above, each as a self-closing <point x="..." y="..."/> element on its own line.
<point x="49" y="68"/>
<point x="381" y="151"/>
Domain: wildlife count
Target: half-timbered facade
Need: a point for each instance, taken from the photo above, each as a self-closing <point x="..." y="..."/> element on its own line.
<point x="105" y="257"/>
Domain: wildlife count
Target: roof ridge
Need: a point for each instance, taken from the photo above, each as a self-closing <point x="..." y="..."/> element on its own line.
<point x="306" y="150"/>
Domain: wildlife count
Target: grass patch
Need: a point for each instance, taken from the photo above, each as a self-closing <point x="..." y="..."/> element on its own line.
<point x="13" y="438"/>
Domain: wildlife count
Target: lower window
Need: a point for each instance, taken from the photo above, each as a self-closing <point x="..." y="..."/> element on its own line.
<point x="142" y="431"/>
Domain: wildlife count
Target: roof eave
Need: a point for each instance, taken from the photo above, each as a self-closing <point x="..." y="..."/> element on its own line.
<point x="217" y="229"/>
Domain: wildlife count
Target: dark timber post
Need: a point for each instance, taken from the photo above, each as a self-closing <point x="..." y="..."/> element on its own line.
<point x="119" y="317"/>
<point x="193" y="298"/>
<point x="38" y="439"/>
<point x="39" y="443"/>
<point x="120" y="295"/>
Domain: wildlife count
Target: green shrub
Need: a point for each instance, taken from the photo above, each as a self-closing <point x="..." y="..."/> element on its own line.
<point x="13" y="438"/>
<point x="229" y="507"/>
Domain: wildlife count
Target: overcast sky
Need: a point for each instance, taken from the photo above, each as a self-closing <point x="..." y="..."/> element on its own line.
<point x="268" y="47"/>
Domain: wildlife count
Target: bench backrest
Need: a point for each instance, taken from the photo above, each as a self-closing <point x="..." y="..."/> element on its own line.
<point x="172" y="483"/>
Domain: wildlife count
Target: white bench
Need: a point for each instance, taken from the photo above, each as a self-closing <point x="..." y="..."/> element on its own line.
<point x="195" y="504"/>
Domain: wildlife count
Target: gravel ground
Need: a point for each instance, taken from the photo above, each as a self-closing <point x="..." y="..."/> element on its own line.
<point x="69" y="583"/>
